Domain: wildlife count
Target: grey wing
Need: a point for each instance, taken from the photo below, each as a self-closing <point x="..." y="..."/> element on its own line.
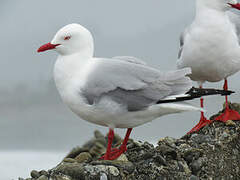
<point x="132" y="85"/>
<point x="130" y="59"/>
<point x="235" y="19"/>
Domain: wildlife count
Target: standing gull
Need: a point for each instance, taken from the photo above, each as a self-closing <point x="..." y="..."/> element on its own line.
<point x="210" y="47"/>
<point x="119" y="92"/>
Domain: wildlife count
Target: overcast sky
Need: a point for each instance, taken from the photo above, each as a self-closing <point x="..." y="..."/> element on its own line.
<point x="32" y="114"/>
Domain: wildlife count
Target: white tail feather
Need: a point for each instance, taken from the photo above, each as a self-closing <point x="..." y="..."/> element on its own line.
<point x="169" y="108"/>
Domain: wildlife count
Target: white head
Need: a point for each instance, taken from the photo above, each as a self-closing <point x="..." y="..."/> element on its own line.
<point x="222" y="5"/>
<point x="71" y="39"/>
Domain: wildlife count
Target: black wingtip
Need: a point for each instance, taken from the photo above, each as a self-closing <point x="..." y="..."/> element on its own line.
<point x="227" y="93"/>
<point x="194" y="93"/>
<point x="205" y="92"/>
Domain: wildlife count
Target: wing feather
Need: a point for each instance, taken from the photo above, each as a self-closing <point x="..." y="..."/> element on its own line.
<point x="131" y="84"/>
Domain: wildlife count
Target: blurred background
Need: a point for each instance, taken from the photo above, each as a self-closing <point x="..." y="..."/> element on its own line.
<point x="36" y="128"/>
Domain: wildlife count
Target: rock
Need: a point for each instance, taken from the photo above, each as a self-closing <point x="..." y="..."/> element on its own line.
<point x="193" y="177"/>
<point x="123" y="158"/>
<point x="69" y="160"/>
<point x="43" y="177"/>
<point x="211" y="153"/>
<point x="97" y="150"/>
<point x="183" y="167"/>
<point x="201" y="138"/>
<point x="43" y="172"/>
<point x="76" y="151"/>
<point x="196" y="166"/>
<point x="168" y="141"/>
<point x="83" y="157"/>
<point x="98" y="134"/>
<point x="192" y="154"/>
<point x="103" y="176"/>
<point x="35" y="174"/>
<point x="159" y="159"/>
<point x="167" y="151"/>
<point x="230" y="123"/>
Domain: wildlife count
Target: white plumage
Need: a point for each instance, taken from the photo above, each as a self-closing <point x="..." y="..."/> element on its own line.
<point x="210" y="45"/>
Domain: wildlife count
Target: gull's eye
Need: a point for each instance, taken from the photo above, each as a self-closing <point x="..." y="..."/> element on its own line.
<point x="67" y="38"/>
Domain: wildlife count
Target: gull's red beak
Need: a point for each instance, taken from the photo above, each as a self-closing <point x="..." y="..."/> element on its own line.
<point x="47" y="46"/>
<point x="235" y="6"/>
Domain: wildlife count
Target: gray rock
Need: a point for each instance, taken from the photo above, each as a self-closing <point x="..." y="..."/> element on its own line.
<point x="200" y="138"/>
<point x="193" y="177"/>
<point x="69" y="160"/>
<point x="35" y="174"/>
<point x="43" y="172"/>
<point x="159" y="159"/>
<point x="43" y="177"/>
<point x="83" y="157"/>
<point x="196" y="166"/>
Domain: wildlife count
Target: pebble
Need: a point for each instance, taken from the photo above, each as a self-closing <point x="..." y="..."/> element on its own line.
<point x="123" y="158"/>
<point x="83" y="157"/>
<point x="113" y="170"/>
<point x="43" y="172"/>
<point x="147" y="155"/>
<point x="69" y="160"/>
<point x="98" y="134"/>
<point x="76" y="151"/>
<point x="193" y="177"/>
<point x="201" y="138"/>
<point x="43" y="177"/>
<point x="185" y="167"/>
<point x="35" y="174"/>
<point x="167" y="151"/>
<point x="192" y="154"/>
<point x="170" y="141"/>
<point x="160" y="160"/>
<point x="224" y="135"/>
<point x="230" y="123"/>
<point x="103" y="177"/>
<point x="196" y="166"/>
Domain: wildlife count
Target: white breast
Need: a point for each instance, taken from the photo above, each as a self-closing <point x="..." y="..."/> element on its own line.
<point x="211" y="49"/>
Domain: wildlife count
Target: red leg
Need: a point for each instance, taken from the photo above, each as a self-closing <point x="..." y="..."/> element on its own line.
<point x="109" y="146"/>
<point x="228" y="113"/>
<point x="114" y="153"/>
<point x="203" y="120"/>
<point x="123" y="147"/>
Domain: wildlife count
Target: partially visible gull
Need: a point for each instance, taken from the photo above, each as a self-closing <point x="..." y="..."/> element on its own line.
<point x="210" y="47"/>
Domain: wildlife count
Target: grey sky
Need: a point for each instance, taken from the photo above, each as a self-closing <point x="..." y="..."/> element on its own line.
<point x="32" y="115"/>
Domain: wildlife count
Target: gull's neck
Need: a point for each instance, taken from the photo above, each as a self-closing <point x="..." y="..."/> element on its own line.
<point x="67" y="67"/>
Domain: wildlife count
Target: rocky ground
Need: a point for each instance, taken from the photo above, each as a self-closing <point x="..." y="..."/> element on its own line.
<point x="212" y="153"/>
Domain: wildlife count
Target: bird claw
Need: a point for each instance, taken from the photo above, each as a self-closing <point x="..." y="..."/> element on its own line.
<point x="202" y="123"/>
<point x="114" y="154"/>
<point x="228" y="114"/>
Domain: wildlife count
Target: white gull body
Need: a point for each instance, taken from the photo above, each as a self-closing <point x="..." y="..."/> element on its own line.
<point x="210" y="45"/>
<point x="119" y="92"/>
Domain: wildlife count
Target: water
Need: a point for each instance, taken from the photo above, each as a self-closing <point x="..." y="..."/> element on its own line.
<point x="15" y="164"/>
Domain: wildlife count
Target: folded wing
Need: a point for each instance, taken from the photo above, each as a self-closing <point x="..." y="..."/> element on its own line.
<point x="132" y="85"/>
